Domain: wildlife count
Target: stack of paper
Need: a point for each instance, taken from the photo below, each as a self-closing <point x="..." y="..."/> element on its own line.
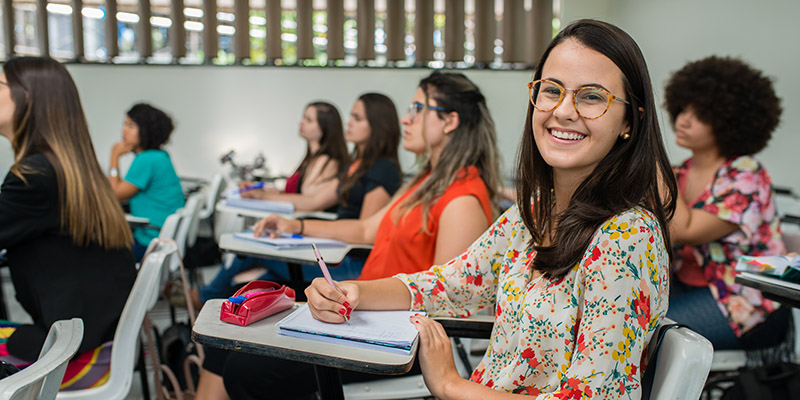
<point x="783" y="267"/>
<point x="289" y="241"/>
<point x="381" y="330"/>
<point x="234" y="199"/>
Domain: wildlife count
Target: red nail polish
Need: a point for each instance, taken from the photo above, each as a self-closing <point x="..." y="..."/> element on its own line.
<point x="342" y="311"/>
<point x="416" y="322"/>
<point x="346" y="304"/>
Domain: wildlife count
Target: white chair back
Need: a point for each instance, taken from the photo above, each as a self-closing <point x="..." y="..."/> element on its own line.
<point x="142" y="298"/>
<point x="683" y="364"/>
<point x="170" y="231"/>
<point x="42" y="379"/>
<point x="212" y="194"/>
<point x="189" y="218"/>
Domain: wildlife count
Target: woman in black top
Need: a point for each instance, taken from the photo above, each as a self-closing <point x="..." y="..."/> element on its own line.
<point x="69" y="246"/>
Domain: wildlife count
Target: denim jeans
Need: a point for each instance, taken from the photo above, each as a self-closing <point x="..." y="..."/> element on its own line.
<point x="138" y="250"/>
<point x="696" y="308"/>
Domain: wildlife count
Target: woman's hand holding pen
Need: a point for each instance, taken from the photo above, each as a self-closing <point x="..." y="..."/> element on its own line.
<point x="435" y="356"/>
<point x="328" y="304"/>
<point x="275" y="224"/>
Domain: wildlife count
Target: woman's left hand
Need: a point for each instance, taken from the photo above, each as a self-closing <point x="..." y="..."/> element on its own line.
<point x="435" y="355"/>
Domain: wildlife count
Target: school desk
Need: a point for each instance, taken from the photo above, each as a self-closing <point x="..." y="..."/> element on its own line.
<point x="294" y="258"/>
<point x="784" y="292"/>
<point x="262" y="338"/>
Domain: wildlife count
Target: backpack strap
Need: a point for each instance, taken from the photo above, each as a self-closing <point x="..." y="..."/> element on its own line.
<point x="650" y="373"/>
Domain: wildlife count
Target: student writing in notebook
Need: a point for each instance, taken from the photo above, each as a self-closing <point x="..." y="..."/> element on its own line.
<point x="69" y="246"/>
<point x="362" y="188"/>
<point x="431" y="219"/>
<point x="576" y="273"/>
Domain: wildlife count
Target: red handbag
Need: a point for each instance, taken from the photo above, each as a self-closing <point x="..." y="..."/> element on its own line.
<point x="255" y="301"/>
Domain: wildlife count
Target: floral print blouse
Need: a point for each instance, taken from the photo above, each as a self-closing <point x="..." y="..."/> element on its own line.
<point x="741" y="193"/>
<point x="576" y="337"/>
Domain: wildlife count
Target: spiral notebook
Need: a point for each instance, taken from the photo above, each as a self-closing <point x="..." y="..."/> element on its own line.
<point x="378" y="330"/>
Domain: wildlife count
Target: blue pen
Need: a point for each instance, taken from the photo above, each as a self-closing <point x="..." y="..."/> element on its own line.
<point x="257" y="185"/>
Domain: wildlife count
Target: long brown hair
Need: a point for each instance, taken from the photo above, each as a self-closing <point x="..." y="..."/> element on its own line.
<point x="49" y="120"/>
<point x="332" y="142"/>
<point x="472" y="143"/>
<point x="626" y="177"/>
<point x="382" y="143"/>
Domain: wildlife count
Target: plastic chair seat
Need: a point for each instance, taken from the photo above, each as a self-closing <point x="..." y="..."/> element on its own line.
<point x="42" y="379"/>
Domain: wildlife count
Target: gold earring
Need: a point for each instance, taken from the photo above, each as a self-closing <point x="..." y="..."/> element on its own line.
<point x="626" y="136"/>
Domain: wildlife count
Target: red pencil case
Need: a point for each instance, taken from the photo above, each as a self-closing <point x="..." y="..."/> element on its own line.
<point x="256" y="300"/>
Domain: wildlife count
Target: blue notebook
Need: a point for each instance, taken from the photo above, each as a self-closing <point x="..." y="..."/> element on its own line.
<point x="378" y="330"/>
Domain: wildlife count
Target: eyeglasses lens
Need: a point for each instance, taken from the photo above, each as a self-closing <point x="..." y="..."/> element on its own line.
<point x="590" y="102"/>
<point x="413" y="109"/>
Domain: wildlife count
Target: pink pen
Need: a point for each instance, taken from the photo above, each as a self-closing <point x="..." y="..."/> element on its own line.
<point x="327" y="275"/>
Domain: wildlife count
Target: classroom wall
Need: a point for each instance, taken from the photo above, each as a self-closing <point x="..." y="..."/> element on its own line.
<point x="252" y="109"/>
<point x="257" y="109"/>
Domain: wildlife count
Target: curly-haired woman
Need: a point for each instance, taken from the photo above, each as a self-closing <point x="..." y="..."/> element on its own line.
<point x="724" y="111"/>
<point x="151" y="184"/>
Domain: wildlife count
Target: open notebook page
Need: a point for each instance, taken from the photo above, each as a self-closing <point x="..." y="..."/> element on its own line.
<point x="381" y="330"/>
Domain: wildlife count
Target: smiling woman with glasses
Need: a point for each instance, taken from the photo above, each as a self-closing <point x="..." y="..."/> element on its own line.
<point x="575" y="273"/>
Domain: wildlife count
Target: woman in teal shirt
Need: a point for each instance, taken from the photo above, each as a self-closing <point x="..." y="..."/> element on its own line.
<point x="151" y="184"/>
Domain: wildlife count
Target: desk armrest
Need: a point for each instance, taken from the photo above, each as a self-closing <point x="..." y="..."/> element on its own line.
<point x="476" y="326"/>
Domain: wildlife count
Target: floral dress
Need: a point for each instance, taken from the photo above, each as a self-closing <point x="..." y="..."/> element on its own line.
<point x="579" y="336"/>
<point x="741" y="193"/>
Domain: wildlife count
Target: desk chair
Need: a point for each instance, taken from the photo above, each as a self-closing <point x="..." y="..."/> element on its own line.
<point x="42" y="379"/>
<point x="124" y="351"/>
<point x="189" y="218"/>
<point x="212" y="194"/>
<point x="681" y="370"/>
<point x="684" y="361"/>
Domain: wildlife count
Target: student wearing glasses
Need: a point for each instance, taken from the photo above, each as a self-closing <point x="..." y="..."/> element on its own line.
<point x="430" y="220"/>
<point x="576" y="273"/>
<point x="724" y="111"/>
